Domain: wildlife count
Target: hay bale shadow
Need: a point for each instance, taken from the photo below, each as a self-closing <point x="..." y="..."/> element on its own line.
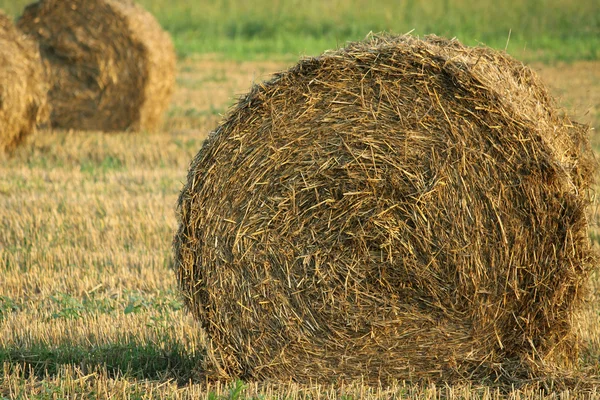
<point x="132" y="360"/>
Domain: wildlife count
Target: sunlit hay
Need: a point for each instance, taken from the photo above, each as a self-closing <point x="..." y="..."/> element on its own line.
<point x="398" y="209"/>
<point x="111" y="65"/>
<point x="23" y="87"/>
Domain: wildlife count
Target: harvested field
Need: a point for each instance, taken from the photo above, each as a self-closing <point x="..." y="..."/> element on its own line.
<point x="376" y="212"/>
<point x="110" y="64"/>
<point x="23" y="87"/>
<point x="88" y="303"/>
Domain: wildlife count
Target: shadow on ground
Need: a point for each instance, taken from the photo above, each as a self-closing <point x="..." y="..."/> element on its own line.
<point x="166" y="362"/>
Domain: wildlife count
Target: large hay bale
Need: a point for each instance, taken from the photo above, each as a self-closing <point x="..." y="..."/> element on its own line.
<point x="110" y="64"/>
<point x="23" y="87"/>
<point x="398" y="209"/>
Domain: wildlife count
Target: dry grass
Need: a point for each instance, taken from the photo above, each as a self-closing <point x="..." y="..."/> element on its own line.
<point x="576" y="86"/>
<point x="73" y="383"/>
<point x="110" y="64"/>
<point x="88" y="299"/>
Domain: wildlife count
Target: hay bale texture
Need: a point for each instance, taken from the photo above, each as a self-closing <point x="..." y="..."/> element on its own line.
<point x="23" y="87"/>
<point x="110" y="64"/>
<point x="401" y="208"/>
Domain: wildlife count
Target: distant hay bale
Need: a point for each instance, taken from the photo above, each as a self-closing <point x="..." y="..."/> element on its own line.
<point x="110" y="64"/>
<point x="23" y="87"/>
<point x="401" y="208"/>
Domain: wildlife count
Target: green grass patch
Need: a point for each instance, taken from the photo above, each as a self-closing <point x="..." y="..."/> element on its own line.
<point x="66" y="306"/>
<point x="107" y="164"/>
<point x="7" y="306"/>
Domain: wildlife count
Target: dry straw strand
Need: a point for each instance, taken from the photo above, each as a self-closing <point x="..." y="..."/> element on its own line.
<point x="23" y="87"/>
<point x="110" y="64"/>
<point x="401" y="208"/>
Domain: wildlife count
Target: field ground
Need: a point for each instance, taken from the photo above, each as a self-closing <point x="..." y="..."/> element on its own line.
<point x="88" y="305"/>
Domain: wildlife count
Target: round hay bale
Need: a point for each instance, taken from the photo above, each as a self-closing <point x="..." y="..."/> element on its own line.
<point x="398" y="209"/>
<point x="23" y="87"/>
<point x="110" y="64"/>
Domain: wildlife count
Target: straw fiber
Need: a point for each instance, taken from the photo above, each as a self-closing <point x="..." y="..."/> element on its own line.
<point x="401" y="208"/>
<point x="23" y="87"/>
<point x="110" y="64"/>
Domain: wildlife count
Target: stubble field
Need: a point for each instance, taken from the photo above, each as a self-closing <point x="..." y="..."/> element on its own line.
<point x="89" y="307"/>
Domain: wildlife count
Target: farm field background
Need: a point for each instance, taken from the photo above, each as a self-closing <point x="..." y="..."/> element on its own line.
<point x="539" y="30"/>
<point x="89" y="307"/>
